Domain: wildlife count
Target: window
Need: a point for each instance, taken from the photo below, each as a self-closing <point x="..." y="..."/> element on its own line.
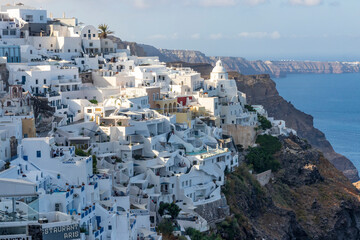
<point x="75" y="50"/>
<point x="38" y="154"/>
<point x="30" y="51"/>
<point x="89" y="31"/>
<point x="5" y="32"/>
<point x="29" y="18"/>
<point x="93" y="35"/>
<point x="13" y="32"/>
<point x="44" y="81"/>
<point x="41" y="18"/>
<point x="90" y="44"/>
<point x="109" y="227"/>
<point x="51" y="45"/>
<point x="39" y="45"/>
<point x="84" y="35"/>
<point x="68" y="50"/>
<point x="106" y="43"/>
<point x="36" y="81"/>
<point x="89" y="111"/>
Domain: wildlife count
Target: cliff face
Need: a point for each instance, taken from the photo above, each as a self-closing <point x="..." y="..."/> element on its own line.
<point x="135" y="49"/>
<point x="238" y="64"/>
<point x="261" y="90"/>
<point x="273" y="68"/>
<point x="307" y="199"/>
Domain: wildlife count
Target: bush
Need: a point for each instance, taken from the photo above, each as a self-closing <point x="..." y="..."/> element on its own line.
<point x="94" y="159"/>
<point x="93" y="101"/>
<point x="270" y="144"/>
<point x="80" y="152"/>
<point x="250" y="108"/>
<point x="197" y="235"/>
<point x="7" y="165"/>
<point x="264" y="123"/>
<point x="166" y="227"/>
<point x="169" y="208"/>
<point x="261" y="158"/>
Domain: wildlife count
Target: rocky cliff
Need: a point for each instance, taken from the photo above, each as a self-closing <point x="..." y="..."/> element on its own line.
<point x="273" y="68"/>
<point x="238" y="64"/>
<point x="307" y="199"/>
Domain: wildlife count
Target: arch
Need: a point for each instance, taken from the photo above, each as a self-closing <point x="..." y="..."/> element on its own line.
<point x="165" y="108"/>
<point x="170" y="107"/>
<point x="174" y="107"/>
<point x="157" y="107"/>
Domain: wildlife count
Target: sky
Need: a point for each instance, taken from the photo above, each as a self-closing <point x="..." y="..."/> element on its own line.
<point x="254" y="29"/>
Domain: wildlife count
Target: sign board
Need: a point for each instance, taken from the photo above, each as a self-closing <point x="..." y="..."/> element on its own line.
<point x="69" y="232"/>
<point x="15" y="237"/>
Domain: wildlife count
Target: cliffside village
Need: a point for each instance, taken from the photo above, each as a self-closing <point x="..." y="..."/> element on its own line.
<point x="94" y="139"/>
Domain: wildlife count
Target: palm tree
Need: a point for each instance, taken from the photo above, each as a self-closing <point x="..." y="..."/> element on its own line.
<point x="104" y="31"/>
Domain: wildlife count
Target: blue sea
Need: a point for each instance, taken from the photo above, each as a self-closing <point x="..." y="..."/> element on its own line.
<point x="334" y="102"/>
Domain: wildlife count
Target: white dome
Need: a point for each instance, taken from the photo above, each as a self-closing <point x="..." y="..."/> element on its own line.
<point x="219" y="68"/>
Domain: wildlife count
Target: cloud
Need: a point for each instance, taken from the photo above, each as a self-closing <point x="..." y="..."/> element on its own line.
<point x="195" y="36"/>
<point x="255" y="2"/>
<point x="141" y="4"/>
<point x="216" y="36"/>
<point x="217" y="3"/>
<point x="306" y="2"/>
<point x="222" y="3"/>
<point x="259" y="35"/>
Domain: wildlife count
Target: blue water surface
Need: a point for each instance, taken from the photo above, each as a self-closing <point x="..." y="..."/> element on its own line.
<point x="334" y="102"/>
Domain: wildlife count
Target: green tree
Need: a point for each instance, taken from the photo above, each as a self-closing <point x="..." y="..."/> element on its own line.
<point x="169" y="208"/>
<point x="80" y="152"/>
<point x="166" y="227"/>
<point x="270" y="144"/>
<point x="264" y="123"/>
<point x="250" y="108"/>
<point x="261" y="158"/>
<point x="104" y="31"/>
<point x="94" y="159"/>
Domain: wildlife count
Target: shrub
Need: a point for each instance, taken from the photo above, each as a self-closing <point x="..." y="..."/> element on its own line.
<point x="197" y="235"/>
<point x="80" y="152"/>
<point x="7" y="165"/>
<point x="270" y="144"/>
<point x="261" y="158"/>
<point x="94" y="159"/>
<point x="93" y="101"/>
<point x="171" y="208"/>
<point x="166" y="227"/>
<point x="250" y="108"/>
<point x="264" y="123"/>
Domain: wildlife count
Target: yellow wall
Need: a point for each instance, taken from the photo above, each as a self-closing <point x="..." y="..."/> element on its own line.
<point x="184" y="118"/>
<point x="28" y="127"/>
<point x="167" y="102"/>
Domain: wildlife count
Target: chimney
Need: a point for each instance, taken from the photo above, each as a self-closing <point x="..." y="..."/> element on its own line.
<point x="63" y="14"/>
